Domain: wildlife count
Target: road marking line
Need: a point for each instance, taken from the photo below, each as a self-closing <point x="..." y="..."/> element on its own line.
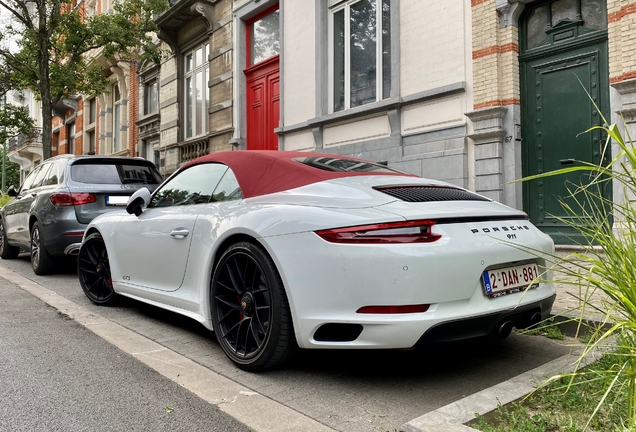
<point x="251" y="408"/>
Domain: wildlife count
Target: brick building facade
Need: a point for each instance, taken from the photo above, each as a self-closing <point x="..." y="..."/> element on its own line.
<point x="473" y="92"/>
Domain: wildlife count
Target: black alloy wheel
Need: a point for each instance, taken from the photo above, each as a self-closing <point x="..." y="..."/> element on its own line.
<point x="42" y="262"/>
<point x="93" y="269"/>
<point x="250" y="311"/>
<point x="6" y="250"/>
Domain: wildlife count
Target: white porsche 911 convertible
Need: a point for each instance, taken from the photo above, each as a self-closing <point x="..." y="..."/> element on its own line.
<point x="278" y="250"/>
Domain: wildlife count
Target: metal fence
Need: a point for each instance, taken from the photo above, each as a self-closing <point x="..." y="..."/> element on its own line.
<point x="34" y="137"/>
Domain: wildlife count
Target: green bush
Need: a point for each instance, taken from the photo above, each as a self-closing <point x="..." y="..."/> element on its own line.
<point x="4" y="199"/>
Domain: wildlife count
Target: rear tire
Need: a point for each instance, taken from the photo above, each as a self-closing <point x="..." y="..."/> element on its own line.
<point x="6" y="250"/>
<point x="250" y="311"/>
<point x="42" y="262"/>
<point x="93" y="269"/>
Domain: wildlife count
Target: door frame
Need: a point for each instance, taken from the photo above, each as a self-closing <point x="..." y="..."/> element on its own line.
<point x="598" y="38"/>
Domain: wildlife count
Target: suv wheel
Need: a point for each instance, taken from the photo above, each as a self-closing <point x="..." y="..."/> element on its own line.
<point x="6" y="250"/>
<point x="41" y="261"/>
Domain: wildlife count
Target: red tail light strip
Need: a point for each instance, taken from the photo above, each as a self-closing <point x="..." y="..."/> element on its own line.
<point x="393" y="309"/>
<point x="72" y="199"/>
<point x="393" y="232"/>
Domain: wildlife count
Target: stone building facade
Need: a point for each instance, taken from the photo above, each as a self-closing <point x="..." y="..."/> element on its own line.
<point x="479" y="93"/>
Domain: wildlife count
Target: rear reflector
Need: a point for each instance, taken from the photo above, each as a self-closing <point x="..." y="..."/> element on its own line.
<point x="393" y="309"/>
<point x="74" y="234"/>
<point x="393" y="232"/>
<point x="72" y="199"/>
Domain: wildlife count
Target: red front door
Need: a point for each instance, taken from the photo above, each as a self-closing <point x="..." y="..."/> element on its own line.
<point x="263" y="104"/>
<point x="262" y="78"/>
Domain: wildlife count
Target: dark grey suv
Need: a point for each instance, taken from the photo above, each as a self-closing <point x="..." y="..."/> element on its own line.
<point x="60" y="197"/>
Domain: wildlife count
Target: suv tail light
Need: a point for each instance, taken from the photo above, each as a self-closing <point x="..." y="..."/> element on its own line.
<point x="72" y="199"/>
<point x="393" y="232"/>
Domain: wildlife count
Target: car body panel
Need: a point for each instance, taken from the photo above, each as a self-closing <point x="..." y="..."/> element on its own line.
<point x="147" y="254"/>
<point x="329" y="282"/>
<point x="60" y="226"/>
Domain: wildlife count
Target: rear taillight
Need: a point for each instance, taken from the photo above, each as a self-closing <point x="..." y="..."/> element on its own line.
<point x="393" y="232"/>
<point x="72" y="199"/>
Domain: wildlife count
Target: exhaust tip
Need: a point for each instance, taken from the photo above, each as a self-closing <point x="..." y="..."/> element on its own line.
<point x="72" y="249"/>
<point x="503" y="330"/>
<point x="535" y="319"/>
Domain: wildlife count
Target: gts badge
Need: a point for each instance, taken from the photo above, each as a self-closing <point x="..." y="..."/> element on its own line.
<point x="126" y="278"/>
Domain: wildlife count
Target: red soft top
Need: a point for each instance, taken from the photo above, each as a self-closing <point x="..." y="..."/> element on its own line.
<point x="262" y="172"/>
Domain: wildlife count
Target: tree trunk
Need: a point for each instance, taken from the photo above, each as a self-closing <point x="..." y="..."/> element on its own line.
<point x="45" y="81"/>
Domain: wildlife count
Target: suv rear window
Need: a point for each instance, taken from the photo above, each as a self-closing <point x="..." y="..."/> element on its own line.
<point x="104" y="172"/>
<point x="345" y="165"/>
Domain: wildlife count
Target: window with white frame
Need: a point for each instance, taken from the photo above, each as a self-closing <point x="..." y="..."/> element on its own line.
<point x="116" y="118"/>
<point x="197" y="99"/>
<point x="151" y="95"/>
<point x="360" y="53"/>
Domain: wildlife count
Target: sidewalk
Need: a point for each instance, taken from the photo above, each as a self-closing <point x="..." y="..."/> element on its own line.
<point x="568" y="295"/>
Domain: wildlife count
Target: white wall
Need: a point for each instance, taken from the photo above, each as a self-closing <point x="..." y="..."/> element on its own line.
<point x="432" y="37"/>
<point x="299" y="63"/>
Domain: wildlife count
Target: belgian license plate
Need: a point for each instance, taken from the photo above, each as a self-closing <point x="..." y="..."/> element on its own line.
<point x="508" y="280"/>
<point x="117" y="200"/>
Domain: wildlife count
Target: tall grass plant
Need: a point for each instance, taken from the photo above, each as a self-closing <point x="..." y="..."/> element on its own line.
<point x="606" y="266"/>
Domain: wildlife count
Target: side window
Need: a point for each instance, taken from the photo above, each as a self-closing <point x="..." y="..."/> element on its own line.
<point x="52" y="177"/>
<point x="228" y="188"/>
<point x="29" y="180"/>
<point x="192" y="186"/>
<point x="41" y="175"/>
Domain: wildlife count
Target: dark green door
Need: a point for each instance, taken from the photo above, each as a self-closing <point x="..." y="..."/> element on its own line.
<point x="556" y="110"/>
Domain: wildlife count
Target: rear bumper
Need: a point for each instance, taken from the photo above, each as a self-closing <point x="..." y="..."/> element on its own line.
<point x="62" y="235"/>
<point x="328" y="283"/>
<point x="485" y="325"/>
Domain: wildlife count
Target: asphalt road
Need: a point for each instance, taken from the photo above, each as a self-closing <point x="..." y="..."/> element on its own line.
<point x="346" y="390"/>
<point x="56" y="375"/>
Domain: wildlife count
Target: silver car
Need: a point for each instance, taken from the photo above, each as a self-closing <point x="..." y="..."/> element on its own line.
<point x="58" y="199"/>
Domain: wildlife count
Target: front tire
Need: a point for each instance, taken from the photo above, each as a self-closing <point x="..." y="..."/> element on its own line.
<point x="93" y="269"/>
<point x="42" y="262"/>
<point x="250" y="311"/>
<point x="6" y="250"/>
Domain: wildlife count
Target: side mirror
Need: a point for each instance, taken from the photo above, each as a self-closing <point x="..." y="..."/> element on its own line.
<point x="138" y="201"/>
<point x="12" y="192"/>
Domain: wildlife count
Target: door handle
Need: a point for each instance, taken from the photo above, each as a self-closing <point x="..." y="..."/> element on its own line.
<point x="567" y="161"/>
<point x="179" y="233"/>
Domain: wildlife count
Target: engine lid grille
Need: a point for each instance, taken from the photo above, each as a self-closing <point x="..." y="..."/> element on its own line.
<point x="430" y="193"/>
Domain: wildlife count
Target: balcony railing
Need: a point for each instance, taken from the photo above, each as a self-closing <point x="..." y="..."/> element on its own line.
<point x="35" y="137"/>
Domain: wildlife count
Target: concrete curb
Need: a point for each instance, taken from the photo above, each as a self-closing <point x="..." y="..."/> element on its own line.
<point x="242" y="403"/>
<point x="452" y="417"/>
<point x="249" y="407"/>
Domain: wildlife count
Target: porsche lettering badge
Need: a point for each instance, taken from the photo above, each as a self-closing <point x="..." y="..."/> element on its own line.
<point x="500" y="229"/>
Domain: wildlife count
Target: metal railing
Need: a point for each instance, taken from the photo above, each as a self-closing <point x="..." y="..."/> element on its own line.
<point x="35" y="137"/>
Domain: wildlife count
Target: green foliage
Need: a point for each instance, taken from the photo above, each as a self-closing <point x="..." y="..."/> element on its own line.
<point x="14" y="120"/>
<point x="4" y="199"/>
<point x="547" y="328"/>
<point x="609" y="269"/>
<point x="12" y="173"/>
<point x="55" y="49"/>
<point x="553" y="408"/>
